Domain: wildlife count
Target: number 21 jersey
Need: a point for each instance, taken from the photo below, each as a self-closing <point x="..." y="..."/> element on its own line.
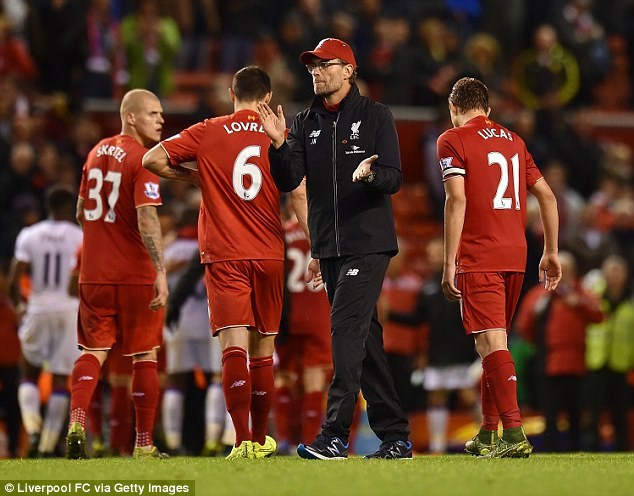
<point x="113" y="186"/>
<point x="241" y="218"/>
<point x="498" y="170"/>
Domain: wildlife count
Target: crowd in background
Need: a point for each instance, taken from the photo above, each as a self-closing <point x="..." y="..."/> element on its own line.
<point x="548" y="64"/>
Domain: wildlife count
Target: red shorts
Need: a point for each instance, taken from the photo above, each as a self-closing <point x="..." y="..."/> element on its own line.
<point x="488" y="299"/>
<point x="307" y="350"/>
<point x="110" y="313"/>
<point x="245" y="293"/>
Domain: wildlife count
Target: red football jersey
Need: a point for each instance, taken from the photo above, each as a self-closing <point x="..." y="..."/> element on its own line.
<point x="241" y="200"/>
<point x="310" y="310"/>
<point x="113" y="185"/>
<point x="498" y="171"/>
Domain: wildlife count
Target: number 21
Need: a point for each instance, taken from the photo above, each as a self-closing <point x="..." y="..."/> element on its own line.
<point x="499" y="201"/>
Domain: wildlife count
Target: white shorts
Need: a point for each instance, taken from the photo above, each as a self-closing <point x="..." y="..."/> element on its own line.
<point x="50" y="339"/>
<point x="183" y="355"/>
<point x="449" y="378"/>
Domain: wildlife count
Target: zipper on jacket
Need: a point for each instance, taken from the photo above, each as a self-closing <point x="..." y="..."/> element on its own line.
<point x="334" y="182"/>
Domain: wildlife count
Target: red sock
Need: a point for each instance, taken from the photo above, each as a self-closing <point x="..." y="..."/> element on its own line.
<point x="283" y="413"/>
<point x="312" y="414"/>
<point x="262" y="392"/>
<point x="121" y="414"/>
<point x="236" y="384"/>
<point x="85" y="377"/>
<point x="490" y="417"/>
<point x="145" y="394"/>
<point x="500" y="374"/>
<point x="95" y="412"/>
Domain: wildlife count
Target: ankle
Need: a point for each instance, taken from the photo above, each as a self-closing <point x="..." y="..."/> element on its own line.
<point x="487" y="437"/>
<point x="514" y="434"/>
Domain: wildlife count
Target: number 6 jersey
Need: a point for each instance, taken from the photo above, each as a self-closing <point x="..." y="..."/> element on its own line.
<point x="241" y="218"/>
<point x="113" y="186"/>
<point x="498" y="170"/>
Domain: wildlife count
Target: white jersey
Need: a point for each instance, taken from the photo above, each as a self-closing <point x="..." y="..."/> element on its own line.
<point x="194" y="315"/>
<point x="49" y="247"/>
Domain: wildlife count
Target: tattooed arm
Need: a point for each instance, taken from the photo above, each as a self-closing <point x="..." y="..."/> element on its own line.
<point x="150" y="229"/>
<point x="157" y="162"/>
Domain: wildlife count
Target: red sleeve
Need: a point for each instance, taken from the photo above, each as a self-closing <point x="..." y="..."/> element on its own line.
<point x="450" y="158"/>
<point x="183" y="147"/>
<point x="146" y="188"/>
<point x="532" y="172"/>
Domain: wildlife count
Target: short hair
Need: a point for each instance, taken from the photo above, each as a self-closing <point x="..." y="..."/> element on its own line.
<point x="58" y="198"/>
<point x="251" y="84"/>
<point x="469" y="94"/>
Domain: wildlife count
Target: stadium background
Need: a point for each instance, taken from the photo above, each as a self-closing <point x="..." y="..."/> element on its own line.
<point x="65" y="63"/>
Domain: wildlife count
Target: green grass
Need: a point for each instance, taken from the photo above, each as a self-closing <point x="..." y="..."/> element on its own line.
<point x="456" y="475"/>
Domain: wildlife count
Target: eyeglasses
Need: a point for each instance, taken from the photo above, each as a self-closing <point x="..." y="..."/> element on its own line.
<point x="323" y="65"/>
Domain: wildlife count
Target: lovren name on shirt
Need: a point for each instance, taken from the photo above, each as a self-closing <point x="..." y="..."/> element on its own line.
<point x="244" y="126"/>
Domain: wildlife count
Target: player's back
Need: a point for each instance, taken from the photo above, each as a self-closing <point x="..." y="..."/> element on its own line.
<point x="309" y="308"/>
<point x="114" y="185"/>
<point x="243" y="203"/>
<point x="497" y="172"/>
<point x="49" y="248"/>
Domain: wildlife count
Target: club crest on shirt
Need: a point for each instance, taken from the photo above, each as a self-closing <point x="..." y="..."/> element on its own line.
<point x="151" y="190"/>
<point x="445" y="163"/>
<point x="354" y="135"/>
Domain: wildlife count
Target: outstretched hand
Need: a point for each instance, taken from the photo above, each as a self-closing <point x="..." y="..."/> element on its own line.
<point x="274" y="124"/>
<point x="364" y="168"/>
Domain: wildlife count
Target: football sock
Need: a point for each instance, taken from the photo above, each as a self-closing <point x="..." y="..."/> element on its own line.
<point x="172" y="411"/>
<point x="56" y="412"/>
<point x="262" y="392"/>
<point x="283" y="414"/>
<point x="312" y="416"/>
<point x="236" y="385"/>
<point x="514" y="434"/>
<point x="121" y="415"/>
<point x="145" y="395"/>
<point x="490" y="417"/>
<point x="95" y="412"/>
<point x="84" y="380"/>
<point x="215" y="411"/>
<point x="502" y="379"/>
<point x="437" y="420"/>
<point x="29" y="400"/>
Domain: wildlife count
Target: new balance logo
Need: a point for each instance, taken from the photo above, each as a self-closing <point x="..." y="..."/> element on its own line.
<point x="315" y="133"/>
<point x="352" y="272"/>
<point x="138" y="394"/>
<point x="86" y="378"/>
<point x="259" y="393"/>
<point x="238" y="384"/>
<point x="512" y="378"/>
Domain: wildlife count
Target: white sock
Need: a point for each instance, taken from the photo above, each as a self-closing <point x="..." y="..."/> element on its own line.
<point x="29" y="400"/>
<point x="172" y="416"/>
<point x="215" y="411"/>
<point x="56" y="412"/>
<point x="437" y="420"/>
<point x="229" y="434"/>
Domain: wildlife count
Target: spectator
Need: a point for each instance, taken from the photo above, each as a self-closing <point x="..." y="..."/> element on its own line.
<point x="555" y="324"/>
<point x="151" y="43"/>
<point x="610" y="356"/>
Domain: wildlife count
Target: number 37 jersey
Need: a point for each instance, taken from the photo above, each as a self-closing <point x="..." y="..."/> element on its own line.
<point x="241" y="218"/>
<point x="113" y="186"/>
<point x="498" y="170"/>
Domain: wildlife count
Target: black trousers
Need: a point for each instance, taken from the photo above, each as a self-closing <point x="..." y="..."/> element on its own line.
<point x="353" y="284"/>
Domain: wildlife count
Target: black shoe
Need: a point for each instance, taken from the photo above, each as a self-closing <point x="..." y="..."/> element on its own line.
<point x="324" y="448"/>
<point x="393" y="450"/>
<point x="34" y="444"/>
<point x="76" y="442"/>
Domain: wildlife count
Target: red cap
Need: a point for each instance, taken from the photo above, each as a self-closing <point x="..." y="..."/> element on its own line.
<point x="328" y="49"/>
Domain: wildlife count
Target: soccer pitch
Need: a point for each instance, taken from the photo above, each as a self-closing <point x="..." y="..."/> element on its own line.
<point x="455" y="475"/>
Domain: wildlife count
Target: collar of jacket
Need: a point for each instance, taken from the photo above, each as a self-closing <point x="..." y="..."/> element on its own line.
<point x="318" y="102"/>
